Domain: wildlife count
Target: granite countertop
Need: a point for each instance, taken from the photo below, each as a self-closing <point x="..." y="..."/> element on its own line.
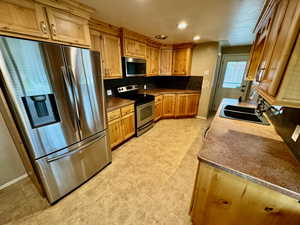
<point x="157" y="92"/>
<point x="113" y="103"/>
<point x="255" y="152"/>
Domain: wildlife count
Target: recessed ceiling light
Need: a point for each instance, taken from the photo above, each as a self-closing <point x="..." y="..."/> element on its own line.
<point x="196" y="38"/>
<point x="161" y="37"/>
<point x="182" y="25"/>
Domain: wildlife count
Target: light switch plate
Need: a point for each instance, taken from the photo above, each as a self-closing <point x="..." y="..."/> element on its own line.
<point x="109" y="92"/>
<point x="296" y="133"/>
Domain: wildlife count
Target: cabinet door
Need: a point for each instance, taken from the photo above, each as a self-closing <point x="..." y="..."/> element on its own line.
<point x="140" y="49"/>
<point x="69" y="28"/>
<point x="158" y="111"/>
<point x="128" y="126"/>
<point x="129" y="47"/>
<point x="181" y="105"/>
<point x="168" y="105"/>
<point x="23" y="17"/>
<point x="181" y="61"/>
<point x="95" y="40"/>
<point x="115" y="132"/>
<point x="286" y="33"/>
<point x="275" y="27"/>
<point x="166" y="61"/>
<point x="149" y="61"/>
<point x="111" y="56"/>
<point x="155" y="61"/>
<point x="233" y="199"/>
<point x="192" y="105"/>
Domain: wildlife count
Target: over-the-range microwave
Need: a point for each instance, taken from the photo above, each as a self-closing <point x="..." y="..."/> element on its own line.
<point x="133" y="67"/>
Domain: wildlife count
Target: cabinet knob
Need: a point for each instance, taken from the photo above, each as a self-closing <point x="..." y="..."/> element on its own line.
<point x="268" y="209"/>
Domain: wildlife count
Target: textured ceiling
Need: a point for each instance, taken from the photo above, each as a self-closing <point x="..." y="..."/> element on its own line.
<point x="230" y="21"/>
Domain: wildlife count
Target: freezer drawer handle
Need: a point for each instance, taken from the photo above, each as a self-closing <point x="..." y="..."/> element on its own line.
<point x="75" y="151"/>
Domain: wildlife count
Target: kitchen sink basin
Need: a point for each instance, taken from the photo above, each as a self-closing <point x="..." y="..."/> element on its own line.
<point x="242" y="113"/>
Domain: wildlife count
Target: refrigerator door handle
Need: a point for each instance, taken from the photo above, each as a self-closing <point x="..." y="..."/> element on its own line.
<point x="70" y="71"/>
<point x="70" y="92"/>
<point x="75" y="151"/>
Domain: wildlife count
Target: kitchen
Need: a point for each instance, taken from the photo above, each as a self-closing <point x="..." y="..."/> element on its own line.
<point x="122" y="122"/>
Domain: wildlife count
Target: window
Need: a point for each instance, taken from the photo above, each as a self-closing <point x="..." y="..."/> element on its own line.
<point x="234" y="74"/>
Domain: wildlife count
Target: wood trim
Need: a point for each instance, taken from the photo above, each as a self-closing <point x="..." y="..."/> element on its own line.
<point x="12" y="128"/>
<point x="70" y="6"/>
<point x="266" y="12"/>
<point x="104" y="27"/>
<point x="183" y="45"/>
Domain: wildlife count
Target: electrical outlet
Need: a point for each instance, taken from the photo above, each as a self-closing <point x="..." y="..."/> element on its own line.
<point x="296" y="133"/>
<point x="109" y="92"/>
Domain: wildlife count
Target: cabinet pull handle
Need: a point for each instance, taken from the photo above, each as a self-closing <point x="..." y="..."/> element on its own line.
<point x="268" y="209"/>
<point x="43" y="27"/>
<point x="53" y="29"/>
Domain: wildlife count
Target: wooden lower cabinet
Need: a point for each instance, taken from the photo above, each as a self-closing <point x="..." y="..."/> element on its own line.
<point x="128" y="126"/>
<point x="168" y="108"/>
<point x="121" y="125"/>
<point x="186" y="105"/>
<point x="221" y="198"/>
<point x="115" y="132"/>
<point x="192" y="105"/>
<point x="158" y="111"/>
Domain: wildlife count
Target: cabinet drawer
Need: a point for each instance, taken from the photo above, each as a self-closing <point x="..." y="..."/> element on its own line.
<point x="126" y="110"/>
<point x="114" y="115"/>
<point x="158" y="99"/>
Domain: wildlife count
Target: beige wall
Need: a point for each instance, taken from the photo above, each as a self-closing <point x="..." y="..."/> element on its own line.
<point x="11" y="166"/>
<point x="204" y="62"/>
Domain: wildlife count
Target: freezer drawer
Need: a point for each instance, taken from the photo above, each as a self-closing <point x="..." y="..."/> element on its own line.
<point x="63" y="172"/>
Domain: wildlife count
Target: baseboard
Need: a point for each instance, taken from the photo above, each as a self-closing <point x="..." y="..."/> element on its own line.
<point x="13" y="181"/>
<point x="201" y="117"/>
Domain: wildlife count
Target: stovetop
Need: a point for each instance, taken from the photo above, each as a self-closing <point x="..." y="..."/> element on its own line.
<point x="138" y="98"/>
<point x="131" y="92"/>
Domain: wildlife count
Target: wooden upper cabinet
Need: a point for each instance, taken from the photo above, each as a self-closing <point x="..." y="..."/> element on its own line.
<point x="166" y="56"/>
<point x="66" y="27"/>
<point x="47" y="20"/>
<point x="152" y="61"/>
<point x="95" y="40"/>
<point x="275" y="46"/>
<point x="133" y="48"/>
<point x="275" y="23"/>
<point x="140" y="49"/>
<point x="111" y="50"/>
<point x="23" y="17"/>
<point x="182" y="61"/>
<point x="155" y="61"/>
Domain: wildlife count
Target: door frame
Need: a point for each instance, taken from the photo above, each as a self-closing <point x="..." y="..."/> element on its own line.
<point x="224" y="58"/>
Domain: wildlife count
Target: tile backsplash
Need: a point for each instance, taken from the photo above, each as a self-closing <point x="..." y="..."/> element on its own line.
<point x="172" y="82"/>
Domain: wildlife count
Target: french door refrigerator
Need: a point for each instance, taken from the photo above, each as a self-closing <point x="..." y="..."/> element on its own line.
<point x="56" y="96"/>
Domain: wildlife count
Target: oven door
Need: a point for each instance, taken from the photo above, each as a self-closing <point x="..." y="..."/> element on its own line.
<point x="133" y="67"/>
<point x="144" y="113"/>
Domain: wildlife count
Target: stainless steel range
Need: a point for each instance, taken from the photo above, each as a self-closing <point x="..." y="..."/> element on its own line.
<point x="144" y="107"/>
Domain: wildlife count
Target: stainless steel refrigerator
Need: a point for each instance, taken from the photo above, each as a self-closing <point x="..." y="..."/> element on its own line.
<point x="56" y="96"/>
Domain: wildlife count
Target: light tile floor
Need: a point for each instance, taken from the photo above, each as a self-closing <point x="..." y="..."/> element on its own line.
<point x="150" y="181"/>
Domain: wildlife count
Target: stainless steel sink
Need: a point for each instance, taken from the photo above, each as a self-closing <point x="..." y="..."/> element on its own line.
<point x="242" y="113"/>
